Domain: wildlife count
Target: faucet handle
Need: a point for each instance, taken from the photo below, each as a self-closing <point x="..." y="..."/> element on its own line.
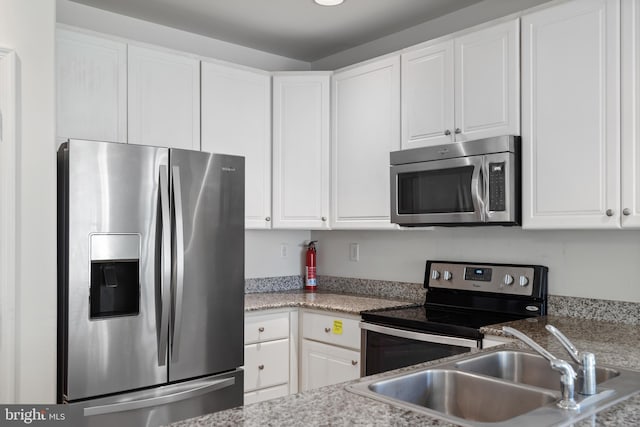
<point x="568" y="345"/>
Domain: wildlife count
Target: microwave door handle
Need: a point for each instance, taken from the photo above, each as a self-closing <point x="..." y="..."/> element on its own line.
<point x="478" y="190"/>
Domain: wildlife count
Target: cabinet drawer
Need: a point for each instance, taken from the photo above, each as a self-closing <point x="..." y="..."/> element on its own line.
<point x="266" y="364"/>
<point x="330" y="329"/>
<point x="266" y="394"/>
<point x="266" y="327"/>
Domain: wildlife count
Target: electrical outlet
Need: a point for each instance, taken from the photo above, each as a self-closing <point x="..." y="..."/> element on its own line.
<point x="354" y="252"/>
<point x="284" y="250"/>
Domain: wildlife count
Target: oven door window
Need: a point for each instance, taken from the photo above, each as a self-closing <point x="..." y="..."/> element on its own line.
<point x="436" y="191"/>
<point x="386" y="352"/>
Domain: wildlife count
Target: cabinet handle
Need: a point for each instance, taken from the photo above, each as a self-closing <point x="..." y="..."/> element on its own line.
<point x="458" y="130"/>
<point x="327" y="330"/>
<point x="447" y="132"/>
<point x="354" y="362"/>
<point x="324" y="219"/>
<point x="260" y="329"/>
<point x="268" y="219"/>
<point x="626" y="212"/>
<point x="609" y="212"/>
<point x="261" y="367"/>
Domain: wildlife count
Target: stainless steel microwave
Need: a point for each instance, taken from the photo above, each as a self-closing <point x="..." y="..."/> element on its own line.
<point x="458" y="184"/>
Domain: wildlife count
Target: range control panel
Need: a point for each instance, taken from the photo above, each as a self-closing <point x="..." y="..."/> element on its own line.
<point x="505" y="279"/>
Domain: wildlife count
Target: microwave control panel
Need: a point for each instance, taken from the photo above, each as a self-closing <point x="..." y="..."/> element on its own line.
<point x="504" y="279"/>
<point x="497" y="187"/>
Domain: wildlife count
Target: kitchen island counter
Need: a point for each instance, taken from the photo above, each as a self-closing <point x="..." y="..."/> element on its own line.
<point x="613" y="344"/>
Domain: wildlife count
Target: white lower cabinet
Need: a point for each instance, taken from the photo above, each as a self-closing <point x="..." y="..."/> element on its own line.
<point x="493" y="340"/>
<point x="270" y="355"/>
<point x="330" y="351"/>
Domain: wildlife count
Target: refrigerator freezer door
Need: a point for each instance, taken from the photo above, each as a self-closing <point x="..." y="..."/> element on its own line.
<point x="161" y="405"/>
<point x="113" y="267"/>
<point x="206" y="333"/>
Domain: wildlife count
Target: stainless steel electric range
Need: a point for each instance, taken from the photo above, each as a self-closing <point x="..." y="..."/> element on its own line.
<point x="461" y="298"/>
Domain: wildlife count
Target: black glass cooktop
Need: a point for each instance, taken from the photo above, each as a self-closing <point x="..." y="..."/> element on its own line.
<point x="438" y="320"/>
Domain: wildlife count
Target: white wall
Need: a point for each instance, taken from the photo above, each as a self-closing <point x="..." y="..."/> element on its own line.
<point x="102" y="21"/>
<point x="590" y="264"/>
<point x="263" y="255"/>
<point x="28" y="28"/>
<point x="464" y="18"/>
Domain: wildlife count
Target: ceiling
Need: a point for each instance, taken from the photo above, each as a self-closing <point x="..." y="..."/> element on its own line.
<point x="297" y="29"/>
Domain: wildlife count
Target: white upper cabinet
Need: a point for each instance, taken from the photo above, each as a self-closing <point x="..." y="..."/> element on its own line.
<point x="236" y="119"/>
<point x="164" y="99"/>
<point x="571" y="116"/>
<point x="91" y="87"/>
<point x="366" y="128"/>
<point x="462" y="89"/>
<point x="301" y="150"/>
<point x="427" y="96"/>
<point x="630" y="206"/>
<point x="487" y="82"/>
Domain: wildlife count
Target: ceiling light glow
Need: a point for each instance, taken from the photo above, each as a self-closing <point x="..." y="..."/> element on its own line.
<point x="328" y="2"/>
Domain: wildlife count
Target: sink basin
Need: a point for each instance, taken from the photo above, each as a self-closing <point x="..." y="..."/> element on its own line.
<point x="497" y="388"/>
<point x="525" y="368"/>
<point x="463" y="395"/>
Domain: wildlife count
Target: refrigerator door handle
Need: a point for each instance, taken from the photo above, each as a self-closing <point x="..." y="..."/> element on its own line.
<point x="165" y="262"/>
<point x="160" y="400"/>
<point x="178" y="263"/>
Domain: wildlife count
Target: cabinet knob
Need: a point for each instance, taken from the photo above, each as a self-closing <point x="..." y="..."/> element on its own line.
<point x="609" y="212"/>
<point x="458" y="130"/>
<point x="354" y="362"/>
<point x="324" y="218"/>
<point x="260" y="329"/>
<point x="268" y="219"/>
<point x="447" y="132"/>
<point x="261" y="367"/>
<point x="327" y="330"/>
<point x="626" y="212"/>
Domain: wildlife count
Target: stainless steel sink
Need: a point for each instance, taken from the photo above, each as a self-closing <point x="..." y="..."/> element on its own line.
<point x="525" y="368"/>
<point x="463" y="395"/>
<point x="497" y="388"/>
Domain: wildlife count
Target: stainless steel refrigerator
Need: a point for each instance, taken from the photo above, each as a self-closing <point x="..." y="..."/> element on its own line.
<point x="151" y="283"/>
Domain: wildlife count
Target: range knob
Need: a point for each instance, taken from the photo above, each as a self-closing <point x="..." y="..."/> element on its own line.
<point x="508" y="279"/>
<point x="524" y="280"/>
<point x="446" y="275"/>
<point x="435" y="274"/>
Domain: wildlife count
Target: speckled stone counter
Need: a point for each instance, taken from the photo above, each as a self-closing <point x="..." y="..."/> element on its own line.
<point x="344" y="303"/>
<point x="613" y="344"/>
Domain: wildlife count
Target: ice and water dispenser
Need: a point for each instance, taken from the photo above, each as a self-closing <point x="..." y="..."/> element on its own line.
<point x="115" y="275"/>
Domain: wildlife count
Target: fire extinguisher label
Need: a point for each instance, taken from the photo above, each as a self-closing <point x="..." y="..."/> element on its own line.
<point x="310" y="275"/>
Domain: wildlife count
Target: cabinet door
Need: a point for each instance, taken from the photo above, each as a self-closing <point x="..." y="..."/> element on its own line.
<point x="91" y="87"/>
<point x="427" y="96"/>
<point x="366" y="128"/>
<point x="324" y="364"/>
<point x="630" y="177"/>
<point x="487" y="82"/>
<point x="236" y="119"/>
<point x="301" y="151"/>
<point x="571" y="118"/>
<point x="164" y="99"/>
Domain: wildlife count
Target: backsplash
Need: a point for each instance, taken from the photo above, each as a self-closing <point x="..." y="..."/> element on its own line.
<point x="586" y="308"/>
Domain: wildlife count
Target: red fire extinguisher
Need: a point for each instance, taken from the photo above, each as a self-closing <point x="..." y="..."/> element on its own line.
<point x="310" y="283"/>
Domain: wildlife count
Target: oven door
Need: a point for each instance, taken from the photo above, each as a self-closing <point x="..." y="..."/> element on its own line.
<point x="438" y="192"/>
<point x="385" y="348"/>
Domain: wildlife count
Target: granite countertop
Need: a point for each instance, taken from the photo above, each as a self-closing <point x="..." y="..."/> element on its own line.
<point x="344" y="303"/>
<point x="613" y="344"/>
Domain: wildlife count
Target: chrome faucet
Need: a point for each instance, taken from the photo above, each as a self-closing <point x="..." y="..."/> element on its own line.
<point x="586" y="360"/>
<point x="567" y="380"/>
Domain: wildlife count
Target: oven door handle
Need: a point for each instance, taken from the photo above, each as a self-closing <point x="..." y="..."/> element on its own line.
<point x="420" y="336"/>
